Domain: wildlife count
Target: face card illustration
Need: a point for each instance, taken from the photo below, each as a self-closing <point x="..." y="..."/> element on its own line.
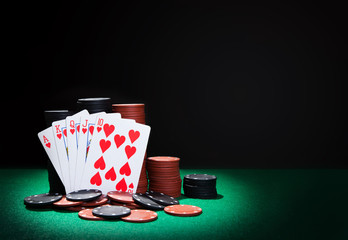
<point x="60" y="137"/>
<point x="73" y="130"/>
<point x="87" y="128"/>
<point x="47" y="140"/>
<point x="116" y="156"/>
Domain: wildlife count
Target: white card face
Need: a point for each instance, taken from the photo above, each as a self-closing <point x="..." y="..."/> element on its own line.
<point x="116" y="155"/>
<point x="87" y="128"/>
<point x="73" y="130"/>
<point x="47" y="140"/>
<point x="60" y="137"/>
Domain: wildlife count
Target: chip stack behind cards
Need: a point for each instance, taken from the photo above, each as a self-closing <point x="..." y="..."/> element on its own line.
<point x="100" y="151"/>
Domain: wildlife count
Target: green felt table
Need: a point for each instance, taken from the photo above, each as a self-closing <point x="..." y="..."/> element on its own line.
<point x="253" y="204"/>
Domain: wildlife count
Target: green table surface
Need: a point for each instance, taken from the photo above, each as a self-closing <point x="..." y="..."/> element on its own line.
<point x="253" y="204"/>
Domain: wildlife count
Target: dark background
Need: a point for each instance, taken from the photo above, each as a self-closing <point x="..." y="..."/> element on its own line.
<point x="225" y="85"/>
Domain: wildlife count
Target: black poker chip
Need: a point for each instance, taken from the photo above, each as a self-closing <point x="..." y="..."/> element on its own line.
<point x="40" y="200"/>
<point x="143" y="200"/>
<point x="161" y="198"/>
<point x="84" y="195"/>
<point x="111" y="212"/>
<point x="94" y="105"/>
<point x="202" y="186"/>
<point x="200" y="177"/>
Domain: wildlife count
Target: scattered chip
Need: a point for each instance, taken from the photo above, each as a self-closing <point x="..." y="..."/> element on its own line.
<point x="128" y="205"/>
<point x="119" y="196"/>
<point x="76" y="209"/>
<point x="111" y="212"/>
<point x="84" y="195"/>
<point x="183" y="210"/>
<point x="88" y="215"/>
<point x="63" y="202"/>
<point x="146" y="202"/>
<point x="44" y="199"/>
<point x="161" y="198"/>
<point x="140" y="216"/>
<point x="97" y="202"/>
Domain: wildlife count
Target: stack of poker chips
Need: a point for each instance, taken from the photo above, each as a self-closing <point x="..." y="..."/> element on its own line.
<point x="136" y="112"/>
<point x="164" y="175"/>
<point x="200" y="186"/>
<point x="94" y="105"/>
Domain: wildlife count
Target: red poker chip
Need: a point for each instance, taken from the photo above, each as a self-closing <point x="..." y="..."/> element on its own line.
<point x="120" y="196"/>
<point x="140" y="216"/>
<point x="88" y="215"/>
<point x="183" y="210"/>
<point x="99" y="201"/>
<point x="128" y="205"/>
<point x="64" y="203"/>
<point x="163" y="159"/>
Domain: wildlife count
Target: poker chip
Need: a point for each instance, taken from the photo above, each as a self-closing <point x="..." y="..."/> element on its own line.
<point x="56" y="115"/>
<point x="136" y="112"/>
<point x="161" y="198"/>
<point x="84" y="195"/>
<point x="146" y="202"/>
<point x="128" y="205"/>
<point x="164" y="175"/>
<point x="111" y="212"/>
<point x="64" y="203"/>
<point x="201" y="186"/>
<point x="94" y="105"/>
<point x="200" y="177"/>
<point x="88" y="215"/>
<point x="183" y="210"/>
<point x="44" y="199"/>
<point x="119" y="196"/>
<point x="76" y="209"/>
<point x="140" y="216"/>
<point x="97" y="202"/>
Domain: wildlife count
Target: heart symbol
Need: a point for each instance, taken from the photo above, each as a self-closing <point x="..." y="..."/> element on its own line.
<point x="72" y="131"/>
<point x="111" y="174"/>
<point x="131" y="185"/>
<point x="108" y="129"/>
<point x="121" y="185"/>
<point x="91" y="129"/>
<point x="100" y="163"/>
<point x="133" y="135"/>
<point x="119" y="140"/>
<point x="99" y="128"/>
<point x="59" y="135"/>
<point x="130" y="151"/>
<point x="78" y="128"/>
<point x="125" y="170"/>
<point x="48" y="145"/>
<point x="84" y="130"/>
<point x="96" y="179"/>
<point x="104" y="145"/>
<point x="64" y="131"/>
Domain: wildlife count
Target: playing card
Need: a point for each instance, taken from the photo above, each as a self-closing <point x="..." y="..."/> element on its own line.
<point x="47" y="140"/>
<point x="116" y="155"/>
<point x="60" y="137"/>
<point x="86" y="133"/>
<point x="73" y="129"/>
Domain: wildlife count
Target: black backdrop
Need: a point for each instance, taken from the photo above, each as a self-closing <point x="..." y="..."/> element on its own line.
<point x="225" y="85"/>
